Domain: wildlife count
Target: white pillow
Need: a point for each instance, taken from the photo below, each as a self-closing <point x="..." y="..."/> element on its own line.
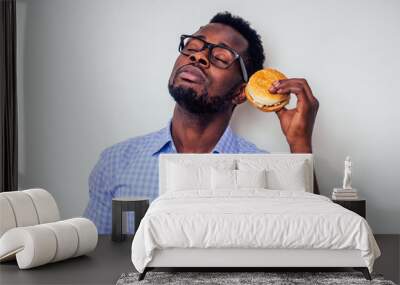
<point x="281" y="174"/>
<point x="185" y="174"/>
<point x="184" y="177"/>
<point x="223" y="179"/>
<point x="251" y="178"/>
<point x="288" y="179"/>
<point x="237" y="179"/>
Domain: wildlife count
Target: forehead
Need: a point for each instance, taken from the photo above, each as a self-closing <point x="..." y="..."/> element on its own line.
<point x="217" y="33"/>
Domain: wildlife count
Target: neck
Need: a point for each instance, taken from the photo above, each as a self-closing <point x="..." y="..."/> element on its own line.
<point x="197" y="133"/>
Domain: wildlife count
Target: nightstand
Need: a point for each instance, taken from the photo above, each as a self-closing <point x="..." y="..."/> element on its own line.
<point x="358" y="206"/>
<point x="139" y="205"/>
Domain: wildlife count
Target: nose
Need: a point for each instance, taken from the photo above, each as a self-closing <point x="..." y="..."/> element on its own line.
<point x="201" y="58"/>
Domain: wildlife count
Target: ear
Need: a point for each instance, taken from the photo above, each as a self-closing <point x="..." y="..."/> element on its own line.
<point x="240" y="95"/>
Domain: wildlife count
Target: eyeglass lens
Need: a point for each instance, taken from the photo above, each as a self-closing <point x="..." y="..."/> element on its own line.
<point x="219" y="56"/>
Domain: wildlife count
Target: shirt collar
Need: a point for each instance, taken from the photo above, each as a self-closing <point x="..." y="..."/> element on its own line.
<point x="226" y="144"/>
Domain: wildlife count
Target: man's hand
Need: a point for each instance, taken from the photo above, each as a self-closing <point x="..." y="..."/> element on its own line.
<point x="297" y="124"/>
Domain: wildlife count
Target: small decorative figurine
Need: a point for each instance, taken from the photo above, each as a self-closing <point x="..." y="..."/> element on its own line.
<point x="347" y="173"/>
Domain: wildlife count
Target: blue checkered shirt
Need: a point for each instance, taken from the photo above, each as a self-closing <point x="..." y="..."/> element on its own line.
<point x="130" y="168"/>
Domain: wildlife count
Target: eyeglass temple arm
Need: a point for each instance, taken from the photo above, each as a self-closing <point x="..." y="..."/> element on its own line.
<point x="244" y="71"/>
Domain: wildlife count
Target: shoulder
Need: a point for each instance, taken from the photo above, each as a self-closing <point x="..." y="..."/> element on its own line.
<point x="122" y="152"/>
<point x="245" y="146"/>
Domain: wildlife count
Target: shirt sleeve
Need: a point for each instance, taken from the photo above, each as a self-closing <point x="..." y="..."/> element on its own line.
<point x="98" y="209"/>
<point x="258" y="150"/>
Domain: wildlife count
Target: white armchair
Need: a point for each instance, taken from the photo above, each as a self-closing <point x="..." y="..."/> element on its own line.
<point x="31" y="231"/>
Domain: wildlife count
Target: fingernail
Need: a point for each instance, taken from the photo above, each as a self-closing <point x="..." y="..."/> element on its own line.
<point x="271" y="88"/>
<point x="275" y="83"/>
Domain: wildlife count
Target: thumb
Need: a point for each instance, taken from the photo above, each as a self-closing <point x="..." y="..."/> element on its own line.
<point x="281" y="112"/>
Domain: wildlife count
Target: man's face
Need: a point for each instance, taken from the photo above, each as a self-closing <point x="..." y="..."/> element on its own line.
<point x="199" y="86"/>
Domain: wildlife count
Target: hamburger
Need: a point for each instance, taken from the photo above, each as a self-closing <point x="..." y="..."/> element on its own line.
<point x="257" y="91"/>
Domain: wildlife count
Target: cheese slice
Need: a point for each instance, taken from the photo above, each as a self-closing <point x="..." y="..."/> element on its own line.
<point x="261" y="100"/>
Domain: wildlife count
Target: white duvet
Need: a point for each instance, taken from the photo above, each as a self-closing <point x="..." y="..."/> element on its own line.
<point x="250" y="218"/>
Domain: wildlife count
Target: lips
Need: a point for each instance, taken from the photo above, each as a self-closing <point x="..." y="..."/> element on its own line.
<point x="192" y="74"/>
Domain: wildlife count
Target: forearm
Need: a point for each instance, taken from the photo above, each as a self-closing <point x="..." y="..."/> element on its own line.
<point x="301" y="147"/>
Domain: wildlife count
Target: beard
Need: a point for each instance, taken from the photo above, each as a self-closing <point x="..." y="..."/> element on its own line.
<point x="201" y="103"/>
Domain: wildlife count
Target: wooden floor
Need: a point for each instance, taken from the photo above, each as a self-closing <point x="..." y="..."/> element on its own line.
<point x="110" y="260"/>
<point x="389" y="262"/>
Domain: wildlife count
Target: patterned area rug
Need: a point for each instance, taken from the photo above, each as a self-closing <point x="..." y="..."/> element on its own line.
<point x="230" y="278"/>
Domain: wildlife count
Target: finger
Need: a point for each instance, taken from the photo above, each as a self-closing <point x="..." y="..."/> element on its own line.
<point x="299" y="82"/>
<point x="303" y="104"/>
<point x="292" y="87"/>
<point x="289" y="86"/>
<point x="307" y="90"/>
<point x="281" y="112"/>
<point x="279" y="86"/>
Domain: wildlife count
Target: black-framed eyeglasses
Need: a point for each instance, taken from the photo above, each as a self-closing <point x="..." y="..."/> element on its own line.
<point x="219" y="55"/>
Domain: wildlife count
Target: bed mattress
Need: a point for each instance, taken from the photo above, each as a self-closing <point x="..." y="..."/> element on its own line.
<point x="250" y="219"/>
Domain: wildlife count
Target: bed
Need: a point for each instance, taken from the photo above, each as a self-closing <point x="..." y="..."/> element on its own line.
<point x="247" y="211"/>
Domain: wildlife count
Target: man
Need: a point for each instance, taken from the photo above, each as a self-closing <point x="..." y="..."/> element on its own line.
<point x="207" y="83"/>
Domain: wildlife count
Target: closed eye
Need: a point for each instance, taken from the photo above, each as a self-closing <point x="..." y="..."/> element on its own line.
<point x="221" y="60"/>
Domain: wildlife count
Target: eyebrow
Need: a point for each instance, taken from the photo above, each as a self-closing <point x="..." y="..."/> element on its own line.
<point x="221" y="43"/>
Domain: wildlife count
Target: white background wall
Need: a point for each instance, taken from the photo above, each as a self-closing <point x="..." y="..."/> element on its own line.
<point x="93" y="73"/>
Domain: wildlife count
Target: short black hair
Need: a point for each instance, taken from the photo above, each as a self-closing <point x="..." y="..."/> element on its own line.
<point x="254" y="60"/>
